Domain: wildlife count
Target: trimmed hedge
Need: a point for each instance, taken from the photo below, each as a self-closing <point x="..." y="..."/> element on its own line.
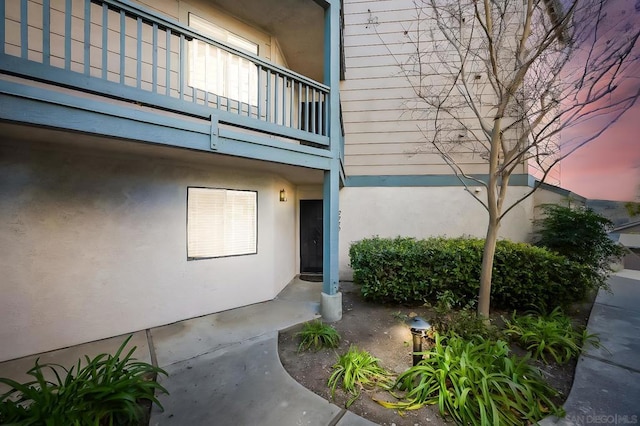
<point x="409" y="271"/>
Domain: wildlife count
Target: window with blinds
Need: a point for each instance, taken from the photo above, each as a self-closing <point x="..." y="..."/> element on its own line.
<point x="218" y="71"/>
<point x="221" y="222"/>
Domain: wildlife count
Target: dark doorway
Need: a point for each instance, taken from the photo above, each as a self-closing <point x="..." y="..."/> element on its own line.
<point x="310" y="236"/>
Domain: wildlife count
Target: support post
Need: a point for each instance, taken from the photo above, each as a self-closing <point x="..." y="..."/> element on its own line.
<point x="331" y="306"/>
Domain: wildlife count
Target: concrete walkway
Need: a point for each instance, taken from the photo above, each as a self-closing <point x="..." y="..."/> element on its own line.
<point x="224" y="368"/>
<point x="606" y="388"/>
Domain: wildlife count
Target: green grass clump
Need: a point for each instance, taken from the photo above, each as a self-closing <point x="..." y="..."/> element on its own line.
<point x="477" y="383"/>
<point x="550" y="335"/>
<point x="357" y="370"/>
<point x="106" y="391"/>
<point x="317" y="335"/>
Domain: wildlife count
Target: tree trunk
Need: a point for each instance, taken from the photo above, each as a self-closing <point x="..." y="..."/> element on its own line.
<point x="484" y="295"/>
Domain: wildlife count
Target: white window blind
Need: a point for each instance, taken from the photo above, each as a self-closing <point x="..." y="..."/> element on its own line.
<point x="221" y="222"/>
<point x="218" y="71"/>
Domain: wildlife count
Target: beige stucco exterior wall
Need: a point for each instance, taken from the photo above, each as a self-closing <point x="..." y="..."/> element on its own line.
<point x="544" y="196"/>
<point x="93" y="244"/>
<point x="421" y="212"/>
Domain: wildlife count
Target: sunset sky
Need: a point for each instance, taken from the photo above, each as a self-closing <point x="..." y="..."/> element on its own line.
<point x="608" y="168"/>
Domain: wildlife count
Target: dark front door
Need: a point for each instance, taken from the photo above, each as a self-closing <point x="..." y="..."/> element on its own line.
<point x="310" y="236"/>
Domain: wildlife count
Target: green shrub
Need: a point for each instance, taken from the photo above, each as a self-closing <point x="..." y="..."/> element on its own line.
<point x="548" y="335"/>
<point x="476" y="383"/>
<point x="450" y="318"/>
<point x="409" y="271"/>
<point x="356" y="370"/>
<point x="107" y="390"/>
<point x="317" y="335"/>
<point x="581" y="235"/>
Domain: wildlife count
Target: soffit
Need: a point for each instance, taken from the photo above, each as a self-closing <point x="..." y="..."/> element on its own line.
<point x="298" y="25"/>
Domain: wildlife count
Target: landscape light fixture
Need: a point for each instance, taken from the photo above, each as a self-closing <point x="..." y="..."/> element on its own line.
<point x="283" y="195"/>
<point x="419" y="329"/>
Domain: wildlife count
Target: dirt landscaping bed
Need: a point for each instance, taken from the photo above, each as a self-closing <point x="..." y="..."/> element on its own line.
<point x="381" y="330"/>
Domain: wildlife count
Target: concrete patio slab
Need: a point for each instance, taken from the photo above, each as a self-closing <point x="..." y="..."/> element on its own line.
<point x="241" y="384"/>
<point x="299" y="302"/>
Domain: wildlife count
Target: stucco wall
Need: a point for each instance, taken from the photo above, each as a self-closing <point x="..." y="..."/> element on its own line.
<point x="93" y="244"/>
<point x="421" y="212"/>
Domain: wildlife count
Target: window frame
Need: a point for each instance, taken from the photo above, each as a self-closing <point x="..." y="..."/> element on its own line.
<point x="256" y="229"/>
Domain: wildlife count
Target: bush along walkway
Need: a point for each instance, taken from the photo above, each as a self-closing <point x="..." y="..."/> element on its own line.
<point x="476" y="379"/>
<point x="606" y="389"/>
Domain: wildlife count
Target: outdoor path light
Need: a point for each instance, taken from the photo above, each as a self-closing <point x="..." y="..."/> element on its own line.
<point x="419" y="328"/>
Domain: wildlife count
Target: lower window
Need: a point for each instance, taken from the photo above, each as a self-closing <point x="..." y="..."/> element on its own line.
<point x="221" y="222"/>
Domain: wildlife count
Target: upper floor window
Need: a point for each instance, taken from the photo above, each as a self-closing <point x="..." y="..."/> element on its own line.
<point x="218" y="71"/>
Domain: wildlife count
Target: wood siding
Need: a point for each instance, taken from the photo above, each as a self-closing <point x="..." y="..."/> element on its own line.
<point x="385" y="125"/>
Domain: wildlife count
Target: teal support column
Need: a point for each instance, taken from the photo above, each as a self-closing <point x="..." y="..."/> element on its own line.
<point x="331" y="305"/>
<point x="331" y="230"/>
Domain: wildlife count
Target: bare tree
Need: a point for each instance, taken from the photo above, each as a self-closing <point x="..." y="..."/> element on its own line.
<point x="501" y="79"/>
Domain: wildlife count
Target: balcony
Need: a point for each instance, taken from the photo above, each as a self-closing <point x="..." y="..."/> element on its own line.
<point x="121" y="52"/>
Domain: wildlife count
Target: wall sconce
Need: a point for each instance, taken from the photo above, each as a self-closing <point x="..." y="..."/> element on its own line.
<point x="283" y="195"/>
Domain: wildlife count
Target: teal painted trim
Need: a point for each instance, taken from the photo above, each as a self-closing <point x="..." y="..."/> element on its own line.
<point x="154" y="58"/>
<point x="139" y="52"/>
<point x="38" y="106"/>
<point x="331" y="184"/>
<point x="268" y="95"/>
<point x="67" y="34"/>
<point x="2" y="9"/>
<point x="531" y="182"/>
<point x="177" y="27"/>
<point x="183" y="67"/>
<point x="113" y="89"/>
<point x="46" y="32"/>
<point x="123" y="46"/>
<point x="426" y="180"/>
<point x="168" y="64"/>
<point x="522" y="180"/>
<point x="276" y="90"/>
<point x="2" y="16"/>
<point x="105" y="40"/>
<point x="24" y="29"/>
<point x="136" y="127"/>
<point x="69" y="100"/>
<point x="215" y="130"/>
<point x="331" y="230"/>
<point x="267" y="141"/>
<point x="558" y="190"/>
<point x="87" y="37"/>
<point x="237" y="148"/>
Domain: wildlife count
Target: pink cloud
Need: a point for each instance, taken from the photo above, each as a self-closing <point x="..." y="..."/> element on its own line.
<point x="609" y="166"/>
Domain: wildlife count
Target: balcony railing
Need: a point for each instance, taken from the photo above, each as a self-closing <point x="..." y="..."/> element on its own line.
<point x="116" y="48"/>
